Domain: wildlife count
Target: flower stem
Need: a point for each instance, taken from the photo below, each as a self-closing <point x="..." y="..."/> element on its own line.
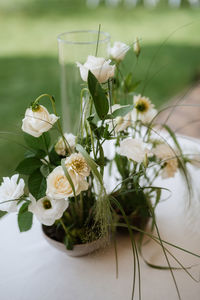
<point x="63" y="226"/>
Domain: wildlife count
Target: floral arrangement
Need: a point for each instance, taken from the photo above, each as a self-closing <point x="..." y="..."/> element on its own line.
<point x="83" y="187"/>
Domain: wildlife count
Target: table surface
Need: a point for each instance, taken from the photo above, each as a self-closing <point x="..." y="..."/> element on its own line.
<point x="30" y="269"/>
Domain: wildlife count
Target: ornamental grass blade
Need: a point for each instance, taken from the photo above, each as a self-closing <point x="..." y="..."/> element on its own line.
<point x="68" y="176"/>
<point x="134" y="249"/>
<point x="91" y="163"/>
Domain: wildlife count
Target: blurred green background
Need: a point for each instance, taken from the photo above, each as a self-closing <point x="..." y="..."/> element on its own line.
<point x="29" y="64"/>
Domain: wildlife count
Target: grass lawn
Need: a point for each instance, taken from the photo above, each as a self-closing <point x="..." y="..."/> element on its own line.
<point x="28" y="54"/>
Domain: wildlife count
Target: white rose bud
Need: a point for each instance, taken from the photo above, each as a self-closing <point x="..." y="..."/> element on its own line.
<point x="118" y="51"/>
<point x="136" y="47"/>
<point x="38" y="121"/>
<point x="60" y="145"/>
<point x="46" y="210"/>
<point x="10" y="189"/>
<point x="100" y="67"/>
<point x="58" y="187"/>
<point x="134" y="149"/>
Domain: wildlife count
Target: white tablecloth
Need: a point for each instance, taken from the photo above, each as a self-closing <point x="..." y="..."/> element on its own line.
<point x="30" y="269"/>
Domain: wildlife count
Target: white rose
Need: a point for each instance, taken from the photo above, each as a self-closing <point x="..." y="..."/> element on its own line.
<point x="120" y="123"/>
<point x="77" y="163"/>
<point x="100" y="67"/>
<point x="10" y="190"/>
<point x="60" y="145"/>
<point x="118" y="51"/>
<point x="37" y="122"/>
<point x="134" y="149"/>
<point x="58" y="187"/>
<point x="46" y="210"/>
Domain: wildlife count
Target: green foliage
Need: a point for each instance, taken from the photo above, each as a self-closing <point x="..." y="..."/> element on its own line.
<point x="54" y="157"/>
<point x="122" y="111"/>
<point x="35" y="153"/>
<point x="33" y="142"/>
<point x="25" y="218"/>
<point x="37" y="143"/>
<point x="98" y="95"/>
<point x="37" y="184"/>
<point x="28" y="165"/>
<point x="2" y="213"/>
<point x="45" y="170"/>
<point x="68" y="242"/>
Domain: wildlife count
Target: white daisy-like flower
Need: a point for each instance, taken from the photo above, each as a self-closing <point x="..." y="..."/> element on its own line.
<point x="99" y="66"/>
<point x="11" y="189"/>
<point x="170" y="162"/>
<point x="46" y="210"/>
<point x="119" y="123"/>
<point x="60" y="145"/>
<point x="143" y="109"/>
<point x="38" y="121"/>
<point x="58" y="187"/>
<point x="77" y="163"/>
<point x="118" y="51"/>
<point x="134" y="149"/>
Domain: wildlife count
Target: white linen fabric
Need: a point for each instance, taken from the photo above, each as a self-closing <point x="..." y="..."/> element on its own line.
<point x="30" y="269"/>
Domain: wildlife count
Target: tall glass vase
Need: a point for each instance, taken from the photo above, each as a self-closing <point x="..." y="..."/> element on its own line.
<point x="75" y="46"/>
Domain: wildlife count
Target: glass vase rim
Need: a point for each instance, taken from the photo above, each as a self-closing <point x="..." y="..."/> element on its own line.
<point x="61" y="39"/>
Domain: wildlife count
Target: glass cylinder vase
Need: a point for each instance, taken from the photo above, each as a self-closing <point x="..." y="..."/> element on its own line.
<point x="73" y="47"/>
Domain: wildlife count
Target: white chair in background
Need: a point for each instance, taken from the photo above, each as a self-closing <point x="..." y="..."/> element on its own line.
<point x="112" y="2"/>
<point x="133" y="3"/>
<point x="92" y="3"/>
<point x="174" y="3"/>
<point x="150" y="3"/>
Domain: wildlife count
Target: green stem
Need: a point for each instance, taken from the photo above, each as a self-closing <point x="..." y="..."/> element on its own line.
<point x="46" y="146"/>
<point x="98" y="40"/>
<point x="110" y="102"/>
<point x="63" y="226"/>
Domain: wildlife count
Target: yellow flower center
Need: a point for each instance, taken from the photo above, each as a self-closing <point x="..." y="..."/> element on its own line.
<point x="142" y="105"/>
<point x="78" y="165"/>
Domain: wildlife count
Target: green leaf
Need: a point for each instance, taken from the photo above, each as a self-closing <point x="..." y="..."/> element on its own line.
<point x="2" y="213"/>
<point x="28" y="165"/>
<point x="35" y="153"/>
<point x="37" y="185"/>
<point x="54" y="157"/>
<point x="98" y="95"/>
<point x="45" y="170"/>
<point x="33" y="142"/>
<point x="122" y="111"/>
<point x="25" y="218"/>
<point x="90" y="162"/>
